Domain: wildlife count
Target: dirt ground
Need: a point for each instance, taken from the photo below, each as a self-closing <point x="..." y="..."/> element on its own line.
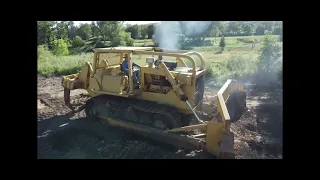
<point x="258" y="133"/>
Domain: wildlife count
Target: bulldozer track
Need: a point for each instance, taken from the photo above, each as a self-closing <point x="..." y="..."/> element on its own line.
<point x="137" y="111"/>
<point x="60" y="137"/>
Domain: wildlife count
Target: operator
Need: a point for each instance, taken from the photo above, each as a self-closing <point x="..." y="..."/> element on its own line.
<point x="125" y="69"/>
<point x="160" y="58"/>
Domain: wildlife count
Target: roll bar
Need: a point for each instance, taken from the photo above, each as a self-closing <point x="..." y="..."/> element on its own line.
<point x="153" y="51"/>
<point x="176" y="55"/>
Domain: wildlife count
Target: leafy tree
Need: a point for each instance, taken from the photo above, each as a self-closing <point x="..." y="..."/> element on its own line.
<point x="263" y="26"/>
<point x="127" y="38"/>
<point x="150" y="31"/>
<point x="233" y="28"/>
<point x="268" y="25"/>
<point x="134" y="30"/>
<point x="94" y="30"/>
<point x="221" y="27"/>
<point x="277" y="30"/>
<point x="108" y="29"/>
<point x="45" y="31"/>
<point x="143" y="31"/>
<point x="222" y="43"/>
<point x="84" y="31"/>
<point x="62" y="30"/>
<point x="218" y="29"/>
<point x="119" y="40"/>
<point x="72" y="30"/>
<point x="215" y="33"/>
<point x="247" y="29"/>
<point x="78" y="42"/>
<point x="60" y="47"/>
<point x="260" y="30"/>
<point x="269" y="59"/>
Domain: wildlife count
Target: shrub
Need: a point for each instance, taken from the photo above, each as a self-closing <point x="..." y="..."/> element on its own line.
<point x="129" y="41"/>
<point x="60" y="47"/>
<point x="43" y="53"/>
<point x="239" y="65"/>
<point x="270" y="54"/>
<point x="78" y="42"/>
<point x="236" y="67"/>
<point x="119" y="40"/>
<point x="270" y="59"/>
<point x="222" y="43"/>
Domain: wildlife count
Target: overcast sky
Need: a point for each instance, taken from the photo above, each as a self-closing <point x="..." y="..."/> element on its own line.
<point x="129" y="22"/>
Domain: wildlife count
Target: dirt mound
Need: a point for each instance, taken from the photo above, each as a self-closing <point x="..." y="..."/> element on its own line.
<point x="258" y="133"/>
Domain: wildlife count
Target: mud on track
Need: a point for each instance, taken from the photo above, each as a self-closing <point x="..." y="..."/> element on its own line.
<point x="258" y="133"/>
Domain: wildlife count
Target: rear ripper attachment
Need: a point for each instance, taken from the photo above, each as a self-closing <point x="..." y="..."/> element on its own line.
<point x="69" y="83"/>
<point x="76" y="81"/>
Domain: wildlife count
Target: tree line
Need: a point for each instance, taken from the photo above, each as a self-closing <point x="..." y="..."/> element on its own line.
<point x="60" y="37"/>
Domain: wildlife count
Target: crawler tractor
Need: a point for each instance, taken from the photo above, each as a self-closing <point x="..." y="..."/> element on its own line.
<point x="167" y="102"/>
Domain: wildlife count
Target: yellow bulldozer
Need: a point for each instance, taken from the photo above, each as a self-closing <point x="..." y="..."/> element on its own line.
<point x="162" y="100"/>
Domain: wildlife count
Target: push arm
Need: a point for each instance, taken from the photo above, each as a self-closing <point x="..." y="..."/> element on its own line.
<point x="176" y="87"/>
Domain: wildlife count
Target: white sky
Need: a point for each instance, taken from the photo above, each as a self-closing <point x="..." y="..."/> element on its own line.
<point x="129" y="22"/>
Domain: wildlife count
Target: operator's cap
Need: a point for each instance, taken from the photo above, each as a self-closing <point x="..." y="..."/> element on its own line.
<point x="125" y="56"/>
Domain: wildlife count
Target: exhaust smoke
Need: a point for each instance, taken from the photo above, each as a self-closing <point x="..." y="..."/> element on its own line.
<point x="168" y="33"/>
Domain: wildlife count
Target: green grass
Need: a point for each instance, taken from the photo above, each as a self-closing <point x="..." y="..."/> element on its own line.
<point x="238" y="58"/>
<point x="143" y="42"/>
<point x="49" y="64"/>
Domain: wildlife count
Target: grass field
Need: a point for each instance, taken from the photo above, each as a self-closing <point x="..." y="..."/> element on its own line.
<point x="238" y="59"/>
